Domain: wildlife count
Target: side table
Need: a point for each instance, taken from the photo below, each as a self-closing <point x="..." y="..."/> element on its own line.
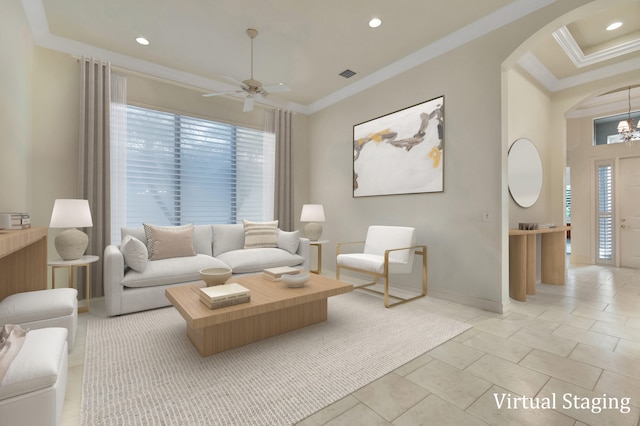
<point x="85" y="261"/>
<point x="318" y="244"/>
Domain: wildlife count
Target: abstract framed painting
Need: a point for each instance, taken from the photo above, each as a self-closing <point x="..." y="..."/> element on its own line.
<point x="401" y="152"/>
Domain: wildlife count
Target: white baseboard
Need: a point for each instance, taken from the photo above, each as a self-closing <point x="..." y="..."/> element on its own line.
<point x="484" y="304"/>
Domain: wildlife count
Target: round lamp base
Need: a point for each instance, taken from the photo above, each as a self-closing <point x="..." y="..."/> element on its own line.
<point x="71" y="244"/>
<point x="312" y="231"/>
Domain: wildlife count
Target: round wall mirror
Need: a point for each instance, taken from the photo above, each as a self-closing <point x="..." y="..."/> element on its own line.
<point x="524" y="172"/>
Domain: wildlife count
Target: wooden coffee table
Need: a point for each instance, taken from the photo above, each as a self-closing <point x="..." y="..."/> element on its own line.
<point x="274" y="309"/>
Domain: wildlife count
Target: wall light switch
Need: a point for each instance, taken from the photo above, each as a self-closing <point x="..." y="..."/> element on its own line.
<point x="486" y="217"/>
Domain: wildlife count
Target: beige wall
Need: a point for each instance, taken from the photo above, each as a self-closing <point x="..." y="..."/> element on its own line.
<point x="529" y="116"/>
<point x="467" y="257"/>
<point x="16" y="63"/>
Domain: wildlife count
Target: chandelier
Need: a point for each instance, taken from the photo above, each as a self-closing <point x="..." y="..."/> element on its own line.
<point x="626" y="128"/>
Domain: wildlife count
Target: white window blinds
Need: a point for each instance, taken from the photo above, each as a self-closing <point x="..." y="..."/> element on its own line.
<point x="604" y="235"/>
<point x="183" y="170"/>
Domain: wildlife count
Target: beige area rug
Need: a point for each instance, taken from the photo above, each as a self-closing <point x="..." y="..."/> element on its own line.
<point x="141" y="369"/>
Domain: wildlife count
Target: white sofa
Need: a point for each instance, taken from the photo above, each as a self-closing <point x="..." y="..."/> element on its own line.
<point x="127" y="290"/>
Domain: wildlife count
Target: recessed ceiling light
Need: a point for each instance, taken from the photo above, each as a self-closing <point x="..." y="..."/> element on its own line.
<point x="143" y="41"/>
<point x="375" y="22"/>
<point x="614" y="26"/>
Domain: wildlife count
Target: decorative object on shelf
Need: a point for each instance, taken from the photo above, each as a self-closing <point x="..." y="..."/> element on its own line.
<point x="295" y="280"/>
<point x="401" y="152"/>
<point x="224" y="295"/>
<point x="69" y="213"/>
<point x="15" y="221"/>
<point x="276" y="274"/>
<point x="629" y="131"/>
<point x="312" y="213"/>
<point x="215" y="276"/>
<point x="527" y="226"/>
<point x="524" y="172"/>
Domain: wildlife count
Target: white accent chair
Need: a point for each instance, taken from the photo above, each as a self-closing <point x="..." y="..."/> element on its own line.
<point x="387" y="250"/>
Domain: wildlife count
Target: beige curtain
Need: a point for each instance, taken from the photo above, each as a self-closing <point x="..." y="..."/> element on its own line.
<point x="283" y="180"/>
<point x="94" y="161"/>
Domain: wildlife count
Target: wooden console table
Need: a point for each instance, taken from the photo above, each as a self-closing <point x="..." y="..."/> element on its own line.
<point x="522" y="259"/>
<point x="23" y="261"/>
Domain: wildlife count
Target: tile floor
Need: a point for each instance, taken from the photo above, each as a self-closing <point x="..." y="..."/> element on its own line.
<point x="575" y="347"/>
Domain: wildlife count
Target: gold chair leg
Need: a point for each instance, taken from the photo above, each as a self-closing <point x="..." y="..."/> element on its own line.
<point x="385" y="293"/>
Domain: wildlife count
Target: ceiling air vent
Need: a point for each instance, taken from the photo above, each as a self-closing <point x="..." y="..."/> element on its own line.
<point x="347" y="73"/>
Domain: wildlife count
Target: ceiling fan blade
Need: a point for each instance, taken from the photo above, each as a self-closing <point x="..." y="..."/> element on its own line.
<point x="248" y="104"/>
<point x="274" y="88"/>
<point x="208" y="95"/>
<point x="231" y="79"/>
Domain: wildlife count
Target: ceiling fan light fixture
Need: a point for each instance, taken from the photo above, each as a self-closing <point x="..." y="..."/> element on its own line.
<point x="614" y="26"/>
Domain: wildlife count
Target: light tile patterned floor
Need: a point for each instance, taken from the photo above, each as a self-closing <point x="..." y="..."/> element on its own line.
<point x="576" y="343"/>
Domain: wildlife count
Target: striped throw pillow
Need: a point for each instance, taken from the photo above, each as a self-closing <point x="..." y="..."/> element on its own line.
<point x="260" y="234"/>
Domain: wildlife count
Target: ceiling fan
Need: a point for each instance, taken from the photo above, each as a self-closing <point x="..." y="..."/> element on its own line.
<point x="251" y="87"/>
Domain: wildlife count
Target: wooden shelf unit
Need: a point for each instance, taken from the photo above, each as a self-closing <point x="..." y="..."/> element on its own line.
<point x="523" y="259"/>
<point x="23" y="260"/>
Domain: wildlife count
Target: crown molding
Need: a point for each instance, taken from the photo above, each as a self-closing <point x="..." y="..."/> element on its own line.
<point x="566" y="41"/>
<point x="515" y="10"/>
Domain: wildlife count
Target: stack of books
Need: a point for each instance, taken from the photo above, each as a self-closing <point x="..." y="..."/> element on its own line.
<point x="275" y="274"/>
<point x="15" y="221"/>
<point x="219" y="296"/>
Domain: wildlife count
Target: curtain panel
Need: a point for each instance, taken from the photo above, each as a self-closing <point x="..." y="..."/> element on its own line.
<point x="280" y="124"/>
<point x="94" y="159"/>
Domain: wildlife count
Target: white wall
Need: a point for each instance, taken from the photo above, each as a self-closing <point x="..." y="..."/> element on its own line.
<point x="16" y="47"/>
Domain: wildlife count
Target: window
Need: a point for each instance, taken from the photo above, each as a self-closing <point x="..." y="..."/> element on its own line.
<point x="180" y="170"/>
<point x="604" y="231"/>
<point x="567" y="196"/>
<point x="605" y="129"/>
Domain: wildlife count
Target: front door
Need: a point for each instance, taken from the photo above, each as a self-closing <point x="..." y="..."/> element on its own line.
<point x="629" y="208"/>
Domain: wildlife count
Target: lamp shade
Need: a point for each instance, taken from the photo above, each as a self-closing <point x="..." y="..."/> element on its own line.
<point x="623" y="126"/>
<point x="71" y="214"/>
<point x="312" y="213"/>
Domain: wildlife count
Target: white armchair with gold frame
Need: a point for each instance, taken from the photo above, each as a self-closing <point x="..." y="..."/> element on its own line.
<point x="387" y="250"/>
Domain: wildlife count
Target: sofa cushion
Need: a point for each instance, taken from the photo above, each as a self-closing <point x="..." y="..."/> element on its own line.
<point x="258" y="259"/>
<point x="227" y="237"/>
<point x="202" y="236"/>
<point x="136" y="232"/>
<point x="169" y="241"/>
<point x="170" y="271"/>
<point x="38" y="363"/>
<point x="289" y="241"/>
<point x="260" y="234"/>
<point x="135" y="253"/>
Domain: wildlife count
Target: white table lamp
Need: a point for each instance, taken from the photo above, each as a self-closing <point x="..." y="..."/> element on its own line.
<point x="312" y="213"/>
<point x="71" y="243"/>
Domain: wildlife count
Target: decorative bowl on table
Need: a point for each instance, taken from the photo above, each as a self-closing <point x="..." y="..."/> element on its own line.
<point x="295" y="280"/>
<point x="215" y="276"/>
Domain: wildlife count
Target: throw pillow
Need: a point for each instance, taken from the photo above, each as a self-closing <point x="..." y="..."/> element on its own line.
<point x="135" y="253"/>
<point x="260" y="234"/>
<point x="289" y="241"/>
<point x="169" y="241"/>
